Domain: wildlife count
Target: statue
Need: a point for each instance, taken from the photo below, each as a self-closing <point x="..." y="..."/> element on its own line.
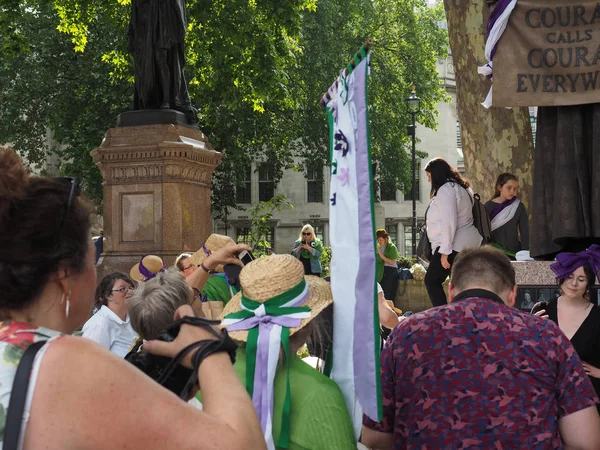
<point x="156" y="38"/>
<point x="566" y="180"/>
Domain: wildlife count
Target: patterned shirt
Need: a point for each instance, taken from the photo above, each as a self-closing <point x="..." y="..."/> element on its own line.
<point x="479" y="374"/>
<point x="15" y="338"/>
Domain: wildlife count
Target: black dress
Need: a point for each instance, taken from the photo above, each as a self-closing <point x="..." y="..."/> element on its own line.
<point x="586" y="339"/>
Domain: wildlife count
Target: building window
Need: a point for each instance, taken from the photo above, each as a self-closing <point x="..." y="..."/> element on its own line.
<point x="244" y="193"/>
<point x="266" y="185"/>
<point x="270" y="238"/>
<point x="388" y="192"/>
<point x="408" y="193"/>
<point x="243" y="235"/>
<point x="314" y="185"/>
<point x="391" y="230"/>
<point x="408" y="239"/>
<point x="458" y="136"/>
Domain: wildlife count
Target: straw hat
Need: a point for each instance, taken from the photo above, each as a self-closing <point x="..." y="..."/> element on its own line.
<point x="212" y="244"/>
<point x="152" y="263"/>
<point x="267" y="277"/>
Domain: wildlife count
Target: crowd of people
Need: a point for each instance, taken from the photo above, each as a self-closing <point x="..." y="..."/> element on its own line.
<point x="476" y="372"/>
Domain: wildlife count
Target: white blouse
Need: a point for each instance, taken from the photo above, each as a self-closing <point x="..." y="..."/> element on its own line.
<point x="450" y="220"/>
<point x="108" y="330"/>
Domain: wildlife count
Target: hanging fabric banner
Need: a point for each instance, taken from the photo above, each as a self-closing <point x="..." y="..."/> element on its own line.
<point x="352" y="236"/>
<point x="548" y="55"/>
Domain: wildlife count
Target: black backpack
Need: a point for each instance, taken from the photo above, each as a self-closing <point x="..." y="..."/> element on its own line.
<point x="481" y="219"/>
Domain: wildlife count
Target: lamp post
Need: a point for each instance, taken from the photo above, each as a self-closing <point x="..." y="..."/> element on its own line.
<point x="413" y="104"/>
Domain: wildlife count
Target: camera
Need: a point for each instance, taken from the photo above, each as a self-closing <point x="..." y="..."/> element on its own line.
<point x="154" y="366"/>
<point x="167" y="371"/>
<point x="303" y="242"/>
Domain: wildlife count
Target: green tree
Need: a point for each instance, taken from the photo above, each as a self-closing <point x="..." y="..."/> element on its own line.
<point x="256" y="70"/>
<point x="261" y="215"/>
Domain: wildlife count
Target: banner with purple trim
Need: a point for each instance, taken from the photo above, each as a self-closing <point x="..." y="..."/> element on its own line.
<point x="352" y="236"/>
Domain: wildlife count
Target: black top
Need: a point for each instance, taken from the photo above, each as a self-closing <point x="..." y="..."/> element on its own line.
<point x="307" y="267"/>
<point x="586" y="339"/>
<point x="513" y="235"/>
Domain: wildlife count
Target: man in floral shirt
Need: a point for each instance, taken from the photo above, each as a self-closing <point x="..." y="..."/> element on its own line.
<point x="477" y="373"/>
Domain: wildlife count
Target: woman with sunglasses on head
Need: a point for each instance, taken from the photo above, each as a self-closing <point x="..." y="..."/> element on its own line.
<point x="78" y="390"/>
<point x="308" y="250"/>
<point x="110" y="326"/>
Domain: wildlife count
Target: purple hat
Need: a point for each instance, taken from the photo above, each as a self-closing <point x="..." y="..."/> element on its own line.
<point x="566" y="262"/>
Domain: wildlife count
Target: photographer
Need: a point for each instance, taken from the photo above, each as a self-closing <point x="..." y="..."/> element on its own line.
<point x="308" y="250"/>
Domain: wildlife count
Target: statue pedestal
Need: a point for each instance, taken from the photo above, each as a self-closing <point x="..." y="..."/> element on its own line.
<point x="157" y="185"/>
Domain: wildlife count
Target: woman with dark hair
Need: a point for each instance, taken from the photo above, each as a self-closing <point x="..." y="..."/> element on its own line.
<point x="449" y="220"/>
<point x="574" y="311"/>
<point x="508" y="216"/>
<point x="47" y="280"/>
<point x="110" y="326"/>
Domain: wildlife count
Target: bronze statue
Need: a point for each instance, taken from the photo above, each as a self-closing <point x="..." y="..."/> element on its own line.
<point x="566" y="180"/>
<point x="156" y="38"/>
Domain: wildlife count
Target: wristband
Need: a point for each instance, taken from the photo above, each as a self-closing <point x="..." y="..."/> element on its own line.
<point x="206" y="269"/>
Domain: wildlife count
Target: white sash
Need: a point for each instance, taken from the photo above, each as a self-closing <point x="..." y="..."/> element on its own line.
<point x="505" y="215"/>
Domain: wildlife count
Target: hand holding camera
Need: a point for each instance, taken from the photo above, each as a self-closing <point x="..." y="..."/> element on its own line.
<point x="227" y="255"/>
<point x="173" y="359"/>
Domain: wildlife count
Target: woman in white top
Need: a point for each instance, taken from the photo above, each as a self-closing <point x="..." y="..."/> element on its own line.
<point x="450" y="226"/>
<point x="110" y="326"/>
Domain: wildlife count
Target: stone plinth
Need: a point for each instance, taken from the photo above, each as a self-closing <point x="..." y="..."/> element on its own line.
<point x="534" y="273"/>
<point x="157" y="185"/>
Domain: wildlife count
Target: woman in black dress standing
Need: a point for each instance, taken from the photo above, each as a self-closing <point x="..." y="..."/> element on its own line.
<point x="574" y="311"/>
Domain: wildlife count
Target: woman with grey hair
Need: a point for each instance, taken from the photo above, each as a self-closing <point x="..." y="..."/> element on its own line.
<point x="153" y="303"/>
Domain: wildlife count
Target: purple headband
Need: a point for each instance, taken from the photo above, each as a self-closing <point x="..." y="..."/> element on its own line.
<point x="207" y="251"/>
<point x="566" y="263"/>
<point x="145" y="272"/>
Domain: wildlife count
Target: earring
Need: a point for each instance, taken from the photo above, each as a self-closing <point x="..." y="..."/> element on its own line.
<point x="68" y="305"/>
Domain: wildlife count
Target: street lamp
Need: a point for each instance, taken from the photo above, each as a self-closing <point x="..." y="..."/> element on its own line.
<point x="413" y="104"/>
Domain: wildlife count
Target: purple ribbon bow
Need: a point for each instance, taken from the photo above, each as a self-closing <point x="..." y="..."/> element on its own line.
<point x="145" y="272"/>
<point x="566" y="262"/>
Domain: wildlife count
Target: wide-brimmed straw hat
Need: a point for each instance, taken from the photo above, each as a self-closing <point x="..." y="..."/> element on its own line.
<point x="147" y="268"/>
<point x="268" y="277"/>
<point x="212" y="244"/>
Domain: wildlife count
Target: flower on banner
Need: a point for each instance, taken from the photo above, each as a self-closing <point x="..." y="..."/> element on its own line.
<point x="334" y="167"/>
<point x="341" y="143"/>
<point x="332" y="199"/>
<point x="344" y="176"/>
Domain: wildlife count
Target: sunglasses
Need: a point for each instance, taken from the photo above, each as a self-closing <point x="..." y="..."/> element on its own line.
<point x="123" y="290"/>
<point x="74" y="191"/>
<point x="306" y="234"/>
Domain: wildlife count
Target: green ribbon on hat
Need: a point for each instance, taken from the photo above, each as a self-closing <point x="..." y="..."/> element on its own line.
<point x="250" y="318"/>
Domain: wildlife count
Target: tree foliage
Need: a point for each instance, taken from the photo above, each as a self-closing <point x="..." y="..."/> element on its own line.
<point x="256" y="70"/>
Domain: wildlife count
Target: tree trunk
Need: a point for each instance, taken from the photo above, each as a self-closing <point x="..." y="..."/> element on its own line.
<point x="494" y="140"/>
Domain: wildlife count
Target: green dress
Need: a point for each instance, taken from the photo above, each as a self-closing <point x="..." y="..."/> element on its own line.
<point x="319" y="417"/>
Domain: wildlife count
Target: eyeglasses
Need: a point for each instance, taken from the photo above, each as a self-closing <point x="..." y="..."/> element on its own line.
<point x="306" y="234"/>
<point x="74" y="192"/>
<point x="123" y="290"/>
